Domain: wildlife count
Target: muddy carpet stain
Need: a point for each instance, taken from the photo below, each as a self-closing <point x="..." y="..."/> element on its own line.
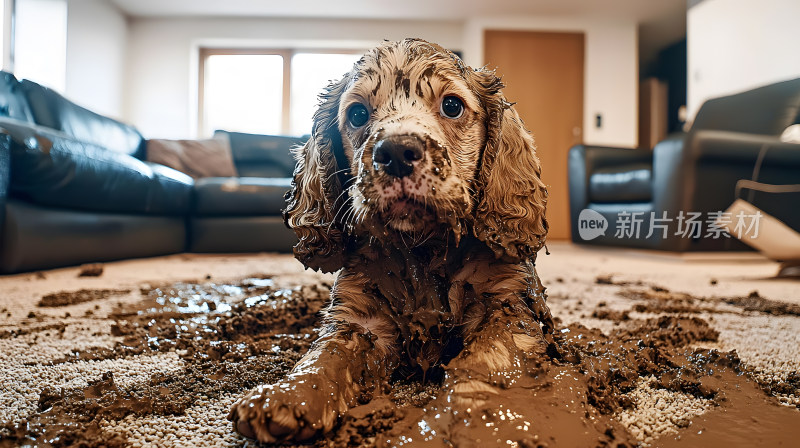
<point x="232" y="336"/>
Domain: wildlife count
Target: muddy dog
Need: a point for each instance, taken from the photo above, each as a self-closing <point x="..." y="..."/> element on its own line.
<point x="420" y="186"/>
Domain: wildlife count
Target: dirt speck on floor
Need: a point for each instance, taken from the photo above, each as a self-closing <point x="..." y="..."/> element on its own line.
<point x="91" y="270"/>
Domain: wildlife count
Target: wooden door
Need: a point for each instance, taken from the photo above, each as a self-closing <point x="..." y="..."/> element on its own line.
<point x="543" y="73"/>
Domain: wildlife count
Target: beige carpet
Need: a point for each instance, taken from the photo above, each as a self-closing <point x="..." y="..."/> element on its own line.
<point x="48" y="352"/>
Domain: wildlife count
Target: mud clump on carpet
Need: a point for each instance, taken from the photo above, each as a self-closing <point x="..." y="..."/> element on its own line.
<point x="754" y="302"/>
<point x="91" y="270"/>
<point x="659" y="300"/>
<point x="233" y="336"/>
<point x="64" y="298"/>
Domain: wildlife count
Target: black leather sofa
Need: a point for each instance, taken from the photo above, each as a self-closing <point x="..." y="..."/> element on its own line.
<point x="243" y="214"/>
<point x="75" y="187"/>
<point x="732" y="138"/>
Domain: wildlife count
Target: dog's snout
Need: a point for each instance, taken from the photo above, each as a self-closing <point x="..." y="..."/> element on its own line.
<point x="396" y="155"/>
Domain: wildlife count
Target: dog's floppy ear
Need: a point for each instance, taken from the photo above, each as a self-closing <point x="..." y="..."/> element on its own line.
<point x="510" y="214"/>
<point x="316" y="196"/>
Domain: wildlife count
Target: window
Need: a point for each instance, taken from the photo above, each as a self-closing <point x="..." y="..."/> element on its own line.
<point x="266" y="91"/>
<point x="243" y="92"/>
<point x="40" y="42"/>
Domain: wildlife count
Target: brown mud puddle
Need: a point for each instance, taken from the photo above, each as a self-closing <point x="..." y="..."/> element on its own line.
<point x="744" y="417"/>
<point x="234" y="336"/>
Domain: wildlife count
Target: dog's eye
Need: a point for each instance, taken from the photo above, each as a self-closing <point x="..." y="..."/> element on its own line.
<point x="452" y="107"/>
<point x="357" y="115"/>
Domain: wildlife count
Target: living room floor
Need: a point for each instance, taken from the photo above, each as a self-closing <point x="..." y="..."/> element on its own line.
<point x="754" y="313"/>
<point x="735" y="273"/>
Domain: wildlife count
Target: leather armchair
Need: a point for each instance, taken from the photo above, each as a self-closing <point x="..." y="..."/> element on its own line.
<point x="733" y="138"/>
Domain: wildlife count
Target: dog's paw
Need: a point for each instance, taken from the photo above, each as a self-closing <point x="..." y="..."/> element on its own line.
<point x="295" y="411"/>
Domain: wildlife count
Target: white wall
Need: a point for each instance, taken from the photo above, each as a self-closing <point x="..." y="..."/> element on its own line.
<point x="5" y="35"/>
<point x="161" y="97"/>
<point x="161" y="89"/>
<point x="736" y="45"/>
<point x="611" y="69"/>
<point x="97" y="34"/>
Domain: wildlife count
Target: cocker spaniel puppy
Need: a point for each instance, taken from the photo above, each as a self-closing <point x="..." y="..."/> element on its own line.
<point x="421" y="187"/>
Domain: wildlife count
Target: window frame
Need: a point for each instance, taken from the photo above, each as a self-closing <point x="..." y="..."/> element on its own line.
<point x="286" y="97"/>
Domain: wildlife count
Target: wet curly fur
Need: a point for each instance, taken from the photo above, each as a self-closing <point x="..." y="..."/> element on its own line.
<point x="435" y="268"/>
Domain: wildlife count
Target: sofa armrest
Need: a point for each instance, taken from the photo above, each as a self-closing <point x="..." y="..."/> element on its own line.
<point x="680" y="162"/>
<point x="702" y="176"/>
<point x="583" y="160"/>
<point x="50" y="109"/>
<point x="721" y="159"/>
<point x="668" y="174"/>
<point x="737" y="147"/>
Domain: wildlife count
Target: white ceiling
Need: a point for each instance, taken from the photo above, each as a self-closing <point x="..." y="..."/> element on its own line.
<point x="662" y="22"/>
<point x="638" y="10"/>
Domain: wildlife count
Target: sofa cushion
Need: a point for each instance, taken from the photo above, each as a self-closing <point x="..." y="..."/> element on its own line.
<point x="12" y="101"/>
<point x="240" y="234"/>
<point x="38" y="237"/>
<point x="55" y="170"/>
<point x="197" y="158"/>
<point x="240" y="196"/>
<point x="54" y="111"/>
<point x="262" y="155"/>
<point x="625" y="183"/>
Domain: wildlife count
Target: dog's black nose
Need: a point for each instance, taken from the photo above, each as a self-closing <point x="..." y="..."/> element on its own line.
<point x="397" y="153"/>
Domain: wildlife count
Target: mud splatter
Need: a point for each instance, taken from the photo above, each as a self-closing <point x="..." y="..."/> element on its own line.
<point x="656" y="299"/>
<point x="65" y="298"/>
<point x="605" y="313"/>
<point x="660" y="300"/>
<point x="231" y="337"/>
<point x="17" y="332"/>
<point x="754" y="302"/>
